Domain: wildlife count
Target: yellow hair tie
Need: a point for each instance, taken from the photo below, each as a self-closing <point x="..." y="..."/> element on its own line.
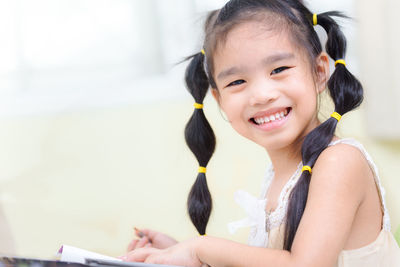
<point x="203" y="235"/>
<point x="203" y="52"/>
<point x="340" y="61"/>
<point x="198" y="106"/>
<point x="336" y="115"/>
<point x="306" y="168"/>
<point x="315" y="20"/>
<point x="202" y="169"/>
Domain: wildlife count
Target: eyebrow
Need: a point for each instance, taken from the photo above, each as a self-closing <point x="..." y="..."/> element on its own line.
<point x="277" y="57"/>
<point x="266" y="61"/>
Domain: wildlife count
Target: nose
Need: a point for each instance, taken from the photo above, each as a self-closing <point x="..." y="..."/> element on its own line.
<point x="263" y="92"/>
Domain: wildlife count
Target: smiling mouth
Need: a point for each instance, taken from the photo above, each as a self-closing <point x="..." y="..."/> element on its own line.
<point x="271" y="118"/>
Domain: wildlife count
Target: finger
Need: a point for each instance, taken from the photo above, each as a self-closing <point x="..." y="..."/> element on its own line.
<point x="132" y="245"/>
<point x="142" y="242"/>
<point x="145" y="232"/>
<point x="138" y="232"/>
<point x="152" y="259"/>
<point x="159" y="258"/>
<point x="139" y="255"/>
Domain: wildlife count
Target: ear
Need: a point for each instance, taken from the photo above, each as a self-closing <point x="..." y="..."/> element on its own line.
<point x="216" y="95"/>
<point x="322" y="68"/>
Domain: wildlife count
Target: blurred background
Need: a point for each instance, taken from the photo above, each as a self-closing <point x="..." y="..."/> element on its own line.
<point x="93" y="107"/>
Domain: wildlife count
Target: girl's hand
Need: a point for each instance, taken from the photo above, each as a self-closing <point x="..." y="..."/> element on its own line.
<point x="182" y="254"/>
<point x="150" y="238"/>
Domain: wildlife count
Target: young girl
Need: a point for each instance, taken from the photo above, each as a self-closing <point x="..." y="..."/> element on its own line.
<point x="322" y="203"/>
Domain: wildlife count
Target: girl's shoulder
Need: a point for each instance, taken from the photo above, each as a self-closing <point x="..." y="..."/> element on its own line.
<point x="344" y="163"/>
<point x="346" y="153"/>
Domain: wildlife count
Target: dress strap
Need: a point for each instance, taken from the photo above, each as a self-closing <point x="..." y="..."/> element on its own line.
<point x="374" y="169"/>
<point x="269" y="174"/>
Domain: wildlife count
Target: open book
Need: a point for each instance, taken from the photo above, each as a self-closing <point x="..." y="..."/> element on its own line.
<point x="77" y="255"/>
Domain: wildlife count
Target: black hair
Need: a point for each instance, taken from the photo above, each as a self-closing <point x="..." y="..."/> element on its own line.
<point x="201" y="140"/>
<point x="345" y="91"/>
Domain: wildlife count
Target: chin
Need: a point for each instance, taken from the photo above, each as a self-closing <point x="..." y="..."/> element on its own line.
<point x="276" y="143"/>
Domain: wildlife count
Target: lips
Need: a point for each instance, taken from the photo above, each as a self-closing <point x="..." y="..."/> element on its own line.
<point x="270" y="116"/>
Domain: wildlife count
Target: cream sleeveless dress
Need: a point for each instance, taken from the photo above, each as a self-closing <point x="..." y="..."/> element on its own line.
<point x="267" y="228"/>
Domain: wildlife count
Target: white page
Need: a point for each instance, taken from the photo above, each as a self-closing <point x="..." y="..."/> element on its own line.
<point x="78" y="255"/>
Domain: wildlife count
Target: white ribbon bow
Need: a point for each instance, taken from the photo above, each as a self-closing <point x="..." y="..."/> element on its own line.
<point x="255" y="209"/>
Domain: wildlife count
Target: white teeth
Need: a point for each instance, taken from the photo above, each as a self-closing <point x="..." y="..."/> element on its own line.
<point x="260" y="121"/>
<point x="278" y="116"/>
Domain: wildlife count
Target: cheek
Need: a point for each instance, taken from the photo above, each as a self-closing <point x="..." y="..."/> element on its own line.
<point x="232" y="107"/>
<point x="305" y="95"/>
<point x="240" y="126"/>
<point x="307" y="106"/>
<point x="234" y="111"/>
<point x="231" y="113"/>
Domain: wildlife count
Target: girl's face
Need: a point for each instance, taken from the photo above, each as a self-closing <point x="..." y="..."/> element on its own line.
<point x="266" y="86"/>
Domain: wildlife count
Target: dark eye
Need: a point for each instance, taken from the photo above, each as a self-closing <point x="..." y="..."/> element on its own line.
<point x="279" y="70"/>
<point x="237" y="82"/>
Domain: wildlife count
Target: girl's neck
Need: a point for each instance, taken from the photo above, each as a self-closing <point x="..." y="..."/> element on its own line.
<point x="285" y="162"/>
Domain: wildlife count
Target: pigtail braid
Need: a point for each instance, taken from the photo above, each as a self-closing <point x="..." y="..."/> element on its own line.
<point x="346" y="91"/>
<point x="347" y="94"/>
<point x="201" y="140"/>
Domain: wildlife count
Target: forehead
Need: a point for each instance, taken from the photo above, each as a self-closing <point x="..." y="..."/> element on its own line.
<point x="251" y="40"/>
<point x="245" y="33"/>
